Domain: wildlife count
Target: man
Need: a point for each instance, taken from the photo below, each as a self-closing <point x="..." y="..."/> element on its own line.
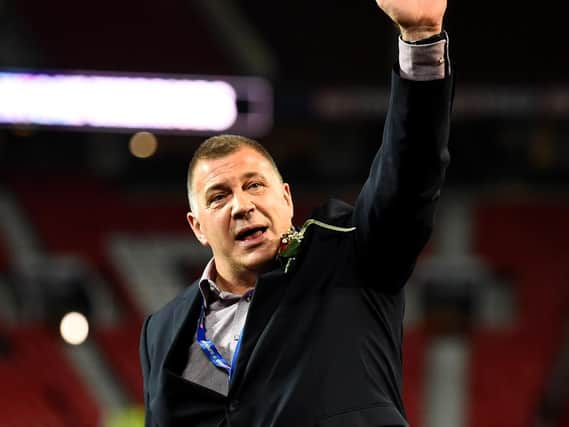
<point x="303" y="327"/>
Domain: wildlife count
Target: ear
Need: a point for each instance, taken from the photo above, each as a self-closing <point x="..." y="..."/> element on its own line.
<point x="288" y="198"/>
<point x="196" y="228"/>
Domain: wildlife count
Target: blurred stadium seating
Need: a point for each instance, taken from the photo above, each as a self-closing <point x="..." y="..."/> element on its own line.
<point x="39" y="387"/>
<point x="508" y="367"/>
<point x="81" y="199"/>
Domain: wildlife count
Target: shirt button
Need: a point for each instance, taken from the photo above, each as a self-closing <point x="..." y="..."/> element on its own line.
<point x="233" y="405"/>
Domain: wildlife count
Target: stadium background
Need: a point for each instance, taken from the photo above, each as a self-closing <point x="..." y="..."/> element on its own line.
<point x="86" y="226"/>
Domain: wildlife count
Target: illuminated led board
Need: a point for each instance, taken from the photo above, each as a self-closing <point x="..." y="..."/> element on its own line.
<point x="172" y="104"/>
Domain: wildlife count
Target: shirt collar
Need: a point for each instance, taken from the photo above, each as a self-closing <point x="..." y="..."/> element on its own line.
<point x="210" y="291"/>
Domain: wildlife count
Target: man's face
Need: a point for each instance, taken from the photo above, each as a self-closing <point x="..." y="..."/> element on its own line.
<point x="240" y="209"/>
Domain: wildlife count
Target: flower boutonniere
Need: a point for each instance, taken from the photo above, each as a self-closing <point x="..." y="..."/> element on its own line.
<point x="290" y="242"/>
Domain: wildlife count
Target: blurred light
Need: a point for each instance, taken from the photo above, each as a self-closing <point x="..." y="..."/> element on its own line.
<point x="143" y="145"/>
<point x="473" y="101"/>
<point x="117" y="102"/>
<point x="74" y="328"/>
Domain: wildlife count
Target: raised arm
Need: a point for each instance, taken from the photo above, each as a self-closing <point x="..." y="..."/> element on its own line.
<point x="394" y="212"/>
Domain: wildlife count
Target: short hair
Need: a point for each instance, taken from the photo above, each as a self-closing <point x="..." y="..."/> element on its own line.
<point x="220" y="146"/>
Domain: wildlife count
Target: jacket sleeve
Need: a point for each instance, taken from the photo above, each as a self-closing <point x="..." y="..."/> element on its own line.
<point x="145" y="366"/>
<point x="395" y="209"/>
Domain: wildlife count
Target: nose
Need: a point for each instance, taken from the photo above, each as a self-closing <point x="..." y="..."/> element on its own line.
<point x="242" y="205"/>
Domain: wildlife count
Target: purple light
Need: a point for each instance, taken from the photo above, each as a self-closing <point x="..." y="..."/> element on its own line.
<point x="200" y="105"/>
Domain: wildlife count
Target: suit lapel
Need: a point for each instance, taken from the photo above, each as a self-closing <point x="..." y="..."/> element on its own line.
<point x="268" y="294"/>
<point x="191" y="302"/>
<point x="182" y="402"/>
<point x="183" y="329"/>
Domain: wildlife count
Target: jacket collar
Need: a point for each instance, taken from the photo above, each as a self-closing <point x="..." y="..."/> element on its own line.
<point x="184" y="322"/>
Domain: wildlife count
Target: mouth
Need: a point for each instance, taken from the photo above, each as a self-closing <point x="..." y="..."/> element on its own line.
<point x="251" y="233"/>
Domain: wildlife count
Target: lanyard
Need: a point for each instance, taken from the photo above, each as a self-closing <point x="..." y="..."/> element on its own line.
<point x="211" y="351"/>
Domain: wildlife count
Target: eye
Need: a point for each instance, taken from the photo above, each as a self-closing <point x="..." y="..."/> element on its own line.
<point x="255" y="185"/>
<point x="216" y="198"/>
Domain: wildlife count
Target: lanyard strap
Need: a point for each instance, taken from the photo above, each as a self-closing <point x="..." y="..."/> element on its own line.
<point x="211" y="352"/>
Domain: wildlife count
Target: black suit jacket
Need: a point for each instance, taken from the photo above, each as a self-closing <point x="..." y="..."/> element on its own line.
<point x="322" y="343"/>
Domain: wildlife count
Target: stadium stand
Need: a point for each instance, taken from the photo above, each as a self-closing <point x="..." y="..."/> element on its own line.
<point x="38" y="387"/>
<point x="507" y="371"/>
<point x="527" y="242"/>
<point x="159" y="30"/>
<point x="508" y="366"/>
<point x="120" y="345"/>
<point x="74" y="215"/>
